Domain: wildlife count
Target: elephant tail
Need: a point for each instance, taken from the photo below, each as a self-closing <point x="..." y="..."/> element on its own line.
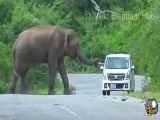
<point x="14" y="54"/>
<point x="13" y="57"/>
<point x="14" y="62"/>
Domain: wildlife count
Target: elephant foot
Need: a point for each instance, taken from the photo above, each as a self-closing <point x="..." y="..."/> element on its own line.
<point x="67" y="92"/>
<point x="11" y="91"/>
<point x="23" y="92"/>
<point x="51" y="93"/>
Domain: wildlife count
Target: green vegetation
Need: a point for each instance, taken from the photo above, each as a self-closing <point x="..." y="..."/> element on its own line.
<point x="145" y="95"/>
<point x="132" y="27"/>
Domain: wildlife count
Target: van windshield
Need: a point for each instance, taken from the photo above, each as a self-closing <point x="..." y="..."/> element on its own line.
<point x="117" y="63"/>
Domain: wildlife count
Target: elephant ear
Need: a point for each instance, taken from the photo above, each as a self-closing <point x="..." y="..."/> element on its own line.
<point x="70" y="39"/>
<point x="67" y="41"/>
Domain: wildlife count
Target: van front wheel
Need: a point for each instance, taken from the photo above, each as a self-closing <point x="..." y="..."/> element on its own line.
<point x="104" y="92"/>
<point x="108" y="92"/>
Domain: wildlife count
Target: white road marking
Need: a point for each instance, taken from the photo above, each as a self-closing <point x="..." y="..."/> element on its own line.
<point x="68" y="110"/>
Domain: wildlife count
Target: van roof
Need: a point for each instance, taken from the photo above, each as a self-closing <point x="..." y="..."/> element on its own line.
<point x="118" y="55"/>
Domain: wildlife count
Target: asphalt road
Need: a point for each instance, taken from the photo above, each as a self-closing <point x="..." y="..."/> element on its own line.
<point x="86" y="104"/>
<point x="91" y="84"/>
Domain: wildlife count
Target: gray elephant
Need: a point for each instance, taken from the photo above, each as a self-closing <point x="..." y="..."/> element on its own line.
<point x="45" y="44"/>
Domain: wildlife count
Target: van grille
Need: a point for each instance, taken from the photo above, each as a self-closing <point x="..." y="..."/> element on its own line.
<point x="116" y="76"/>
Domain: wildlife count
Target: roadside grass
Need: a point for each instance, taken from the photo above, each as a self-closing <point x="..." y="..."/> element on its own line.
<point x="144" y="95"/>
<point x="41" y="89"/>
<point x="38" y="81"/>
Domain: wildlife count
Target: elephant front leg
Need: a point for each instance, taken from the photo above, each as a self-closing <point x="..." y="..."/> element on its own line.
<point x="51" y="81"/>
<point x="64" y="77"/>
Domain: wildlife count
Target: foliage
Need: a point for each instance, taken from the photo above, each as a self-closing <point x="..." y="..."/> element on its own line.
<point x="6" y="8"/>
<point x="138" y="36"/>
<point x="5" y="66"/>
<point x="144" y="95"/>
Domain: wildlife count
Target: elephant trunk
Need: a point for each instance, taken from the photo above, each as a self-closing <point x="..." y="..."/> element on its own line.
<point x="84" y="60"/>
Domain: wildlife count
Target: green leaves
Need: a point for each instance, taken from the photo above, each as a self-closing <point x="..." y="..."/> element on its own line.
<point x="5" y="67"/>
<point x="140" y="38"/>
<point x="6" y="7"/>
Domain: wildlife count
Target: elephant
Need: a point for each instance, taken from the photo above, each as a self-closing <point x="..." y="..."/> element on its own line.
<point x="45" y="45"/>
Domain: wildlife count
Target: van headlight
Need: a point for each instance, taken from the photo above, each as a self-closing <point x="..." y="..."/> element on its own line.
<point x="105" y="77"/>
<point x="127" y="76"/>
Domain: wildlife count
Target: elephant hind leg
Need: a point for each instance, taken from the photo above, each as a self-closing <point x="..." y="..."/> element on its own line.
<point x="12" y="87"/>
<point x="22" y="71"/>
<point x="19" y="73"/>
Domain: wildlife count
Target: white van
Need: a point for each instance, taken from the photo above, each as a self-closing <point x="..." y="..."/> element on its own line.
<point x="118" y="72"/>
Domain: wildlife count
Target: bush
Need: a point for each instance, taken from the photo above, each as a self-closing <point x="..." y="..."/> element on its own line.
<point x="140" y="38"/>
<point x="5" y="67"/>
<point x="5" y="63"/>
<point x="6" y="7"/>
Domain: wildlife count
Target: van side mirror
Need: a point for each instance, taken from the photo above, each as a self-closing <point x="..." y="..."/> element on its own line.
<point x="132" y="67"/>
